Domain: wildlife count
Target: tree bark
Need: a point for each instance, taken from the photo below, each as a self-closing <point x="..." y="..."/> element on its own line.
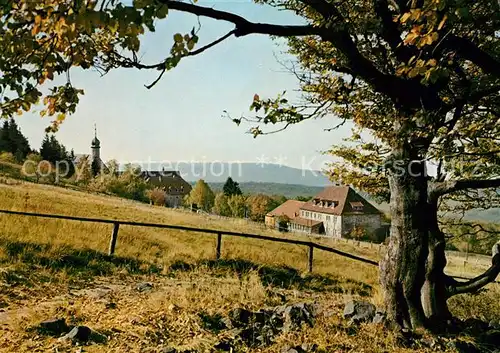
<point x="435" y="289"/>
<point x="403" y="270"/>
<point x="412" y="277"/>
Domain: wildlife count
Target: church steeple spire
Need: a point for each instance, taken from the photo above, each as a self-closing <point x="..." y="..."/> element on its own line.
<point x="95" y="142"/>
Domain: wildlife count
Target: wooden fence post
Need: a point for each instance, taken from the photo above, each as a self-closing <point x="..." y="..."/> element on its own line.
<point x="114" y="235"/>
<point x="218" y="246"/>
<point x="311" y="252"/>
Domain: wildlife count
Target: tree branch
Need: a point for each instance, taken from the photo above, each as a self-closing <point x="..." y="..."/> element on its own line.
<point x="243" y="27"/>
<point x="469" y="51"/>
<point x="480" y="281"/>
<point x="324" y="8"/>
<point x="214" y="43"/>
<point x="447" y="187"/>
<point x="477" y="96"/>
<point x="391" y="32"/>
<point x="408" y="93"/>
<point x="162" y="66"/>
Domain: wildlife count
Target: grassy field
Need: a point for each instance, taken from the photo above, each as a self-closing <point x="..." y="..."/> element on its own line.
<point x="58" y="268"/>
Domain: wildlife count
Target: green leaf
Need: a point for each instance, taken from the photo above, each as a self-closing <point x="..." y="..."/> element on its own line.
<point x="140" y="4"/>
<point x="178" y="38"/>
<point x="462" y="12"/>
<point x="162" y="12"/>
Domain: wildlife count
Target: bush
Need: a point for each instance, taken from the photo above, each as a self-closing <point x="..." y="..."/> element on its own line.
<point x="451" y="247"/>
<point x="7" y="157"/>
<point x="157" y="197"/>
<point x="358" y="233"/>
<point x="129" y="185"/>
<point x="283" y="222"/>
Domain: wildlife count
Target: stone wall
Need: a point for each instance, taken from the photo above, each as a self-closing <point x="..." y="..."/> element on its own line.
<point x="370" y="223"/>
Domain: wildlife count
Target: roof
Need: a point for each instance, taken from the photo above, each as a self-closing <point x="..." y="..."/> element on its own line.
<point x="171" y="181"/>
<point x="306" y="222"/>
<point x="289" y="208"/>
<point x="96" y="142"/>
<point x="163" y="173"/>
<point x="345" y="199"/>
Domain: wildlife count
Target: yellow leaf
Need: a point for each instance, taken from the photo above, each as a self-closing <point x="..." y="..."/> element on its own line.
<point x="410" y="38"/>
<point x="405" y="17"/>
<point x="35" y="30"/>
<point x="441" y="24"/>
<point x="413" y="73"/>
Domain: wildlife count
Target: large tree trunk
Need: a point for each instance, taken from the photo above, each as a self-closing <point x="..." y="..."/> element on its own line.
<point x="435" y="289"/>
<point x="403" y="270"/>
<point x="412" y="277"/>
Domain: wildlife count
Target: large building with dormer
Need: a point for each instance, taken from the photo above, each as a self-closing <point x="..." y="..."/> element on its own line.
<point x="170" y="182"/>
<point x="337" y="211"/>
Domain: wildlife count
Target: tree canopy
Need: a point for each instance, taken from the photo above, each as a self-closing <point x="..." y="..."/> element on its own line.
<point x="201" y="195"/>
<point x="13" y="141"/>
<point x="231" y="187"/>
<point x="221" y="205"/>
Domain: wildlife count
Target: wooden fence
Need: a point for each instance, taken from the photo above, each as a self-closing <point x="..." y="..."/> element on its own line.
<point x="116" y="227"/>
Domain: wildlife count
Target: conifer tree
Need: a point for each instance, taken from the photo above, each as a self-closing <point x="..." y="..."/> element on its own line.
<point x="231" y="187"/>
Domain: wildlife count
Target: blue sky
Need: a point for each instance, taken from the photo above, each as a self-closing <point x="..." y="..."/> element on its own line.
<point x="180" y="118"/>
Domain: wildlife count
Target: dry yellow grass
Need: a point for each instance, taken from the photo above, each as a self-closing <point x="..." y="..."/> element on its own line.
<point x="45" y="265"/>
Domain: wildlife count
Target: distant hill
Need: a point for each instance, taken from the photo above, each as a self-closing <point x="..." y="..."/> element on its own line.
<point x="218" y="172"/>
<point x="288" y="190"/>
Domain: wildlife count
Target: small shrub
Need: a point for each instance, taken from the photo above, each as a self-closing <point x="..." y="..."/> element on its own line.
<point x="283" y="222"/>
<point x="157" y="197"/>
<point x="7" y="157"/>
<point x="358" y="233"/>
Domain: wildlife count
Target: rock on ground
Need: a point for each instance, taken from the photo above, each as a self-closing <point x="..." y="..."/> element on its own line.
<point x="359" y="311"/>
<point x="84" y="334"/>
<point x="53" y="327"/>
<point x="144" y="287"/>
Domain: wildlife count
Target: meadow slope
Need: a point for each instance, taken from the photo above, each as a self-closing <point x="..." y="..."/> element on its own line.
<point x="58" y="268"/>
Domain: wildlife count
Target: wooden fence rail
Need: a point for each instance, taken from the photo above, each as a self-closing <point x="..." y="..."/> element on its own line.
<point x="116" y="226"/>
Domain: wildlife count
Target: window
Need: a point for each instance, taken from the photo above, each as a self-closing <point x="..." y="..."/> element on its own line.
<point x="357" y="206"/>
